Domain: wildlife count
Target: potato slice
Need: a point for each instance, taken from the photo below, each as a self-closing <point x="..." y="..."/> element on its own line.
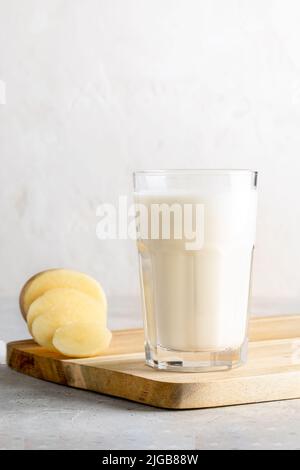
<point x="82" y="339"/>
<point x="62" y="299"/>
<point x="55" y="278"/>
<point x="58" y="307"/>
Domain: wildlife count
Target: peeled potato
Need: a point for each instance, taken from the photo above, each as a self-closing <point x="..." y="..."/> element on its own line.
<point x="63" y="299"/>
<point x="81" y="339"/>
<point x="59" y="278"/>
<point x="59" y="307"/>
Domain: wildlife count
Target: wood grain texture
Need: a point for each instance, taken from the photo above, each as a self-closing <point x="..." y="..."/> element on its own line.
<point x="272" y="371"/>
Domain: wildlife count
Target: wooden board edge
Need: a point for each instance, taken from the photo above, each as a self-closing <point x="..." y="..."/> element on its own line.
<point x="274" y="327"/>
<point x="167" y="395"/>
<point x="137" y="390"/>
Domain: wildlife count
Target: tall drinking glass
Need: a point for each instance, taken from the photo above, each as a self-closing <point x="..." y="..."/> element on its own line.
<point x="195" y="239"/>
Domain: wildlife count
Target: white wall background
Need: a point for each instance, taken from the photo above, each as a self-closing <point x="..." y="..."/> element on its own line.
<point x="98" y="88"/>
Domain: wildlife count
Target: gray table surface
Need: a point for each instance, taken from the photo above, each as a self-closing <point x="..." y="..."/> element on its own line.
<point x="41" y="415"/>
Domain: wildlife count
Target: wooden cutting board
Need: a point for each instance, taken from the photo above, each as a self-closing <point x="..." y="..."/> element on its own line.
<point x="272" y="371"/>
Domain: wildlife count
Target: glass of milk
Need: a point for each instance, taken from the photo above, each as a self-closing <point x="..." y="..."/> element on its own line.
<point x="195" y="239"/>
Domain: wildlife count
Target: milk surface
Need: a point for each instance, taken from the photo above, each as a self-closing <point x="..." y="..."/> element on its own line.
<point x="198" y="300"/>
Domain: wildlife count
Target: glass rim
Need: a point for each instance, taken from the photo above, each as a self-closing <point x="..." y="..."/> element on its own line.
<point x="200" y="171"/>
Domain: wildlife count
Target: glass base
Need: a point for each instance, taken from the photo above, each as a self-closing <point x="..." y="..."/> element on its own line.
<point x="195" y="361"/>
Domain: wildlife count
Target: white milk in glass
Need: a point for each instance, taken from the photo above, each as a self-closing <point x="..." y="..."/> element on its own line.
<point x="198" y="299"/>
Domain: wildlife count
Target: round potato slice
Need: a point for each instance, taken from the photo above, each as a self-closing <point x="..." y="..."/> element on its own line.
<point x="62" y="299"/>
<point x="58" y="307"/>
<point x="82" y="339"/>
<point x="59" y="278"/>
